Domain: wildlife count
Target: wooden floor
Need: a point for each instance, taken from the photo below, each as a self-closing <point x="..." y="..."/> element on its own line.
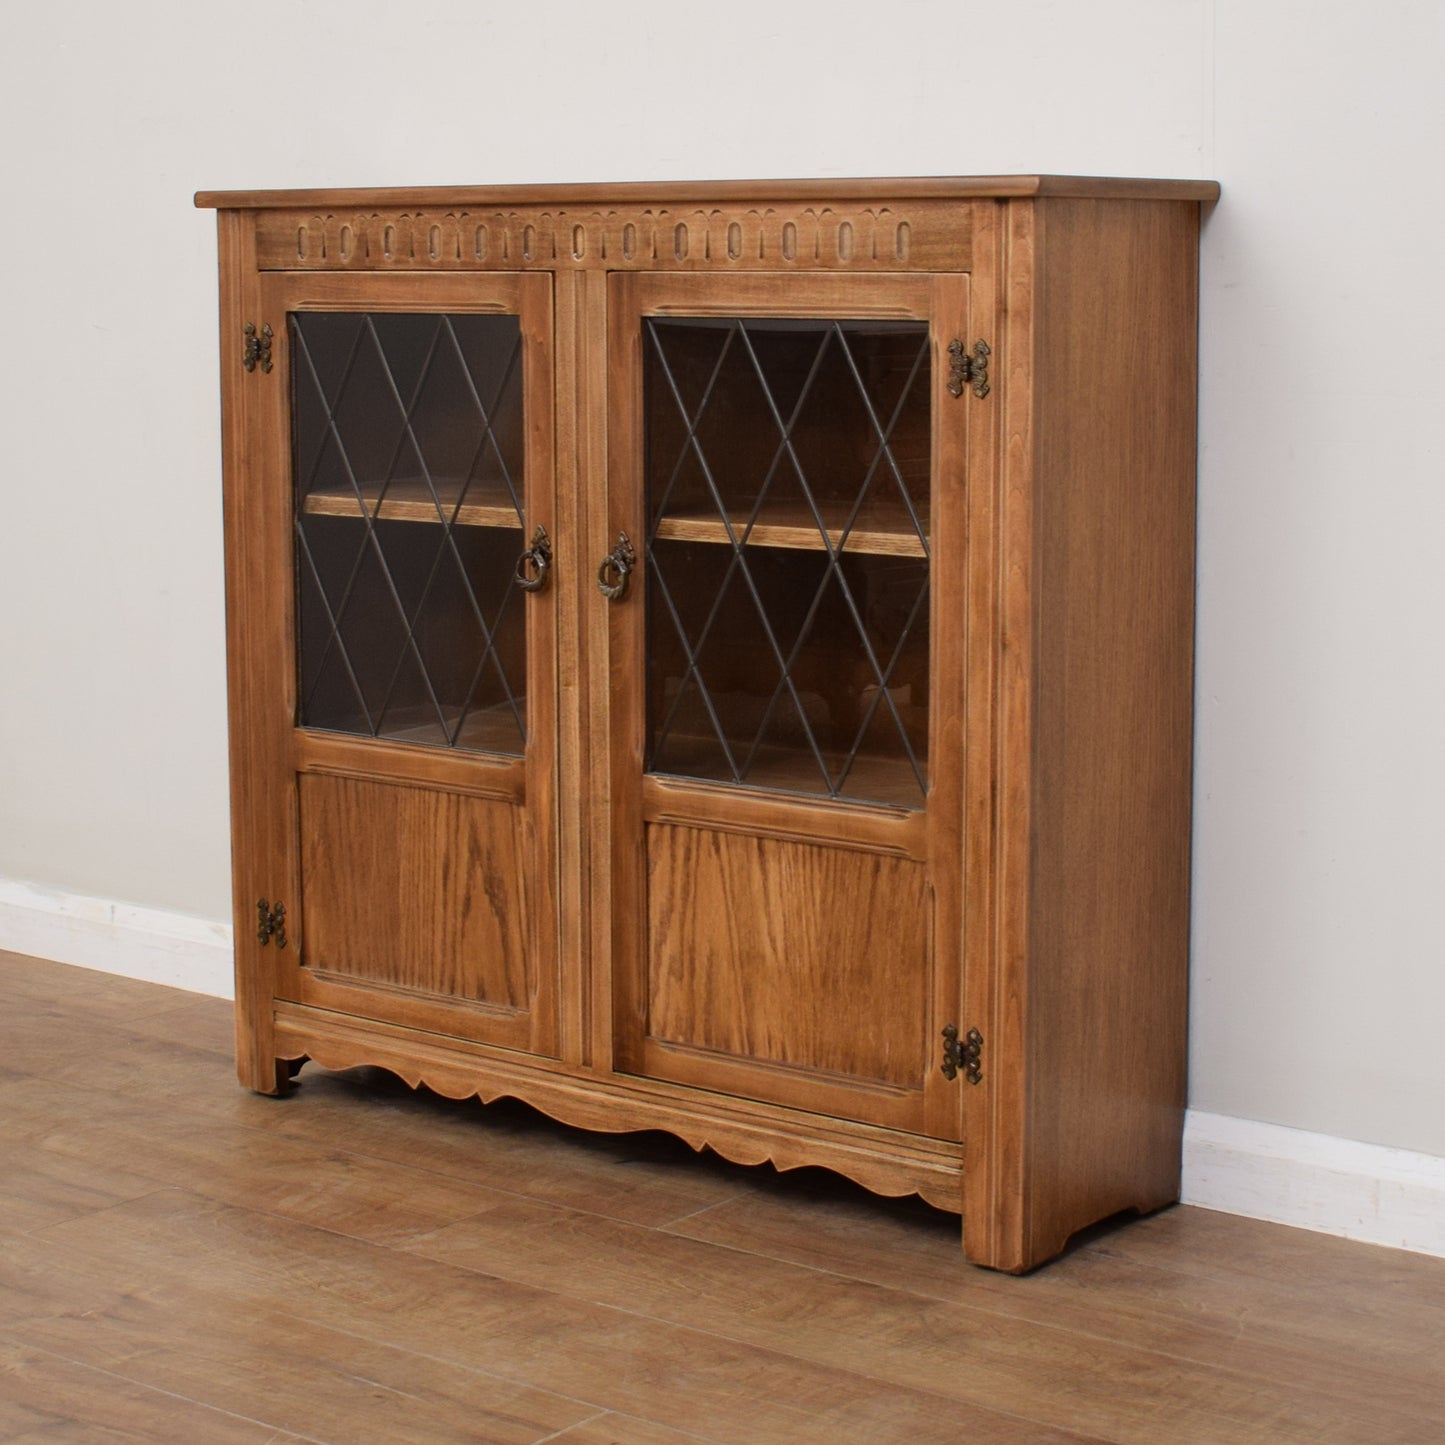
<point x="183" y="1261"/>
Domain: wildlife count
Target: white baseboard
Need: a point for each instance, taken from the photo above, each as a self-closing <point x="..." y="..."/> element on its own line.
<point x="1315" y="1181"/>
<point x="144" y="943"/>
<point x="1261" y="1171"/>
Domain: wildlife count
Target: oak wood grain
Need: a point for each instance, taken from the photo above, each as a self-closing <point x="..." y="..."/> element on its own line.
<point x="899" y="832"/>
<point x="415" y="888"/>
<point x="776" y="952"/>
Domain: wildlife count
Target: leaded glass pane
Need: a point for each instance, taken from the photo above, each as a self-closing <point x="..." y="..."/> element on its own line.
<point x="407" y="449"/>
<point x="787" y="476"/>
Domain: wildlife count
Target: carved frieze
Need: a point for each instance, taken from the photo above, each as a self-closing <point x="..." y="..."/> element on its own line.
<point x="918" y="235"/>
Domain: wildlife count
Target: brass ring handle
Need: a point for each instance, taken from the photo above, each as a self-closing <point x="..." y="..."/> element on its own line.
<point x="537" y="557"/>
<point x="618" y="564"/>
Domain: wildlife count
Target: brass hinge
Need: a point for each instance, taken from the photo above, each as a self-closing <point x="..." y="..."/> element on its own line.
<point x="963" y="367"/>
<point x="258" y="347"/>
<point x="962" y="1054"/>
<point x="270" y="923"/>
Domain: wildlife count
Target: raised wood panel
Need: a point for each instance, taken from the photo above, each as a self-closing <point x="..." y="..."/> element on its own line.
<point x="913" y="235"/>
<point x="782" y="953"/>
<point x="414" y="889"/>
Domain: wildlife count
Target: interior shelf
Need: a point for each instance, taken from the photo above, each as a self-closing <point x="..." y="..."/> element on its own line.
<point x="885" y="530"/>
<point x="872" y="778"/>
<point x="485" y="730"/>
<point x="410" y="499"/>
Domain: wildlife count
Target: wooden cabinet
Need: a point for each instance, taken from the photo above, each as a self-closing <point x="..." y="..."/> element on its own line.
<point x="717" y="658"/>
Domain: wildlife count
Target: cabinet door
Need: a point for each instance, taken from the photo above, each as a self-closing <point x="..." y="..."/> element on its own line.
<point x="397" y="652"/>
<point x="787" y="687"/>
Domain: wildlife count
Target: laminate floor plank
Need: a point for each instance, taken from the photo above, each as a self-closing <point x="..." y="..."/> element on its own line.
<point x="48" y="1040"/>
<point x="183" y="1260"/>
<point x="86" y="991"/>
<point x="40" y="1188"/>
<point x="1265" y="1324"/>
<point x="32" y="1288"/>
<point x="1205" y="1243"/>
<point x="646" y="1178"/>
<point x="199" y="1023"/>
<point x="1059" y="1376"/>
<point x="57" y="1402"/>
<point x="240" y="1354"/>
<point x="335" y="1188"/>
<point x="612" y="1429"/>
<point x="616" y="1359"/>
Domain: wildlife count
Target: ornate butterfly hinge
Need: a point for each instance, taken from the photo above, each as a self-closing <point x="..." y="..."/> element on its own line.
<point x="964" y="1054"/>
<point x="258" y="347"/>
<point x="965" y="368"/>
<point x="270" y="923"/>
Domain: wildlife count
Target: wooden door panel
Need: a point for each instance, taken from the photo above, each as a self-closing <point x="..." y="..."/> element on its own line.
<point x="415" y="889"/>
<point x="419" y="875"/>
<point x="780" y="953"/>
<point x="756" y="953"/>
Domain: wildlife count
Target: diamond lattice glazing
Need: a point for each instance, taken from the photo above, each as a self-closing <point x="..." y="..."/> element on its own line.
<point x="407" y="438"/>
<point x="787" y="474"/>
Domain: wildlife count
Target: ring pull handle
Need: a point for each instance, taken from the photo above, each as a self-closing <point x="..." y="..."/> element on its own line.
<point x="535" y="563"/>
<point x="616" y="567"/>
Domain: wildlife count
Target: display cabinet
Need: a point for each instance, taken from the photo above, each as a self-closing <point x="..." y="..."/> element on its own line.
<point x="717" y="658"/>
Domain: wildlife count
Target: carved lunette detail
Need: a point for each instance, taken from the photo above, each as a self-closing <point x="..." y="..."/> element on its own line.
<point x="570" y="1101"/>
<point x="865" y="238"/>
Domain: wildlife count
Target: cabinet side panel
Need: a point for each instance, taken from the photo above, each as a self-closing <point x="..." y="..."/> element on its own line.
<point x="415" y="889"/>
<point x="1113" y="633"/>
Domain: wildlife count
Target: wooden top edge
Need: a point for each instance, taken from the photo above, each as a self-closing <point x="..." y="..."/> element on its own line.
<point x="911" y="188"/>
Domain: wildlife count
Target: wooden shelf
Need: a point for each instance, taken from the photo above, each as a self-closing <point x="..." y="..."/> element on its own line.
<point x="883" y="530"/>
<point x="486" y="730"/>
<point x="872" y="779"/>
<point x="409" y="499"/>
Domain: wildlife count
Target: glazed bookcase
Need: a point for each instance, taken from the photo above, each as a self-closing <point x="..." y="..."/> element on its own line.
<point x="717" y="658"/>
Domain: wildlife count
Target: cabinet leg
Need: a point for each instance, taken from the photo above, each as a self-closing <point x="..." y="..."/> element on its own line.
<point x="285" y="1071"/>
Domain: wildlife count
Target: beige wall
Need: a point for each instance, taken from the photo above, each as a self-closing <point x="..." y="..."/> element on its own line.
<point x="1318" y="980"/>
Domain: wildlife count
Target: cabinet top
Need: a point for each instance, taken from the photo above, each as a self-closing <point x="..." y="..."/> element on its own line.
<point x="912" y="188"/>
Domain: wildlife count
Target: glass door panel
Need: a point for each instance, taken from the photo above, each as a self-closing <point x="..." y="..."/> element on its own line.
<point x="784" y="725"/>
<point x="406" y="434"/>
<point x="407" y="438"/>
<point x="786" y="477"/>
